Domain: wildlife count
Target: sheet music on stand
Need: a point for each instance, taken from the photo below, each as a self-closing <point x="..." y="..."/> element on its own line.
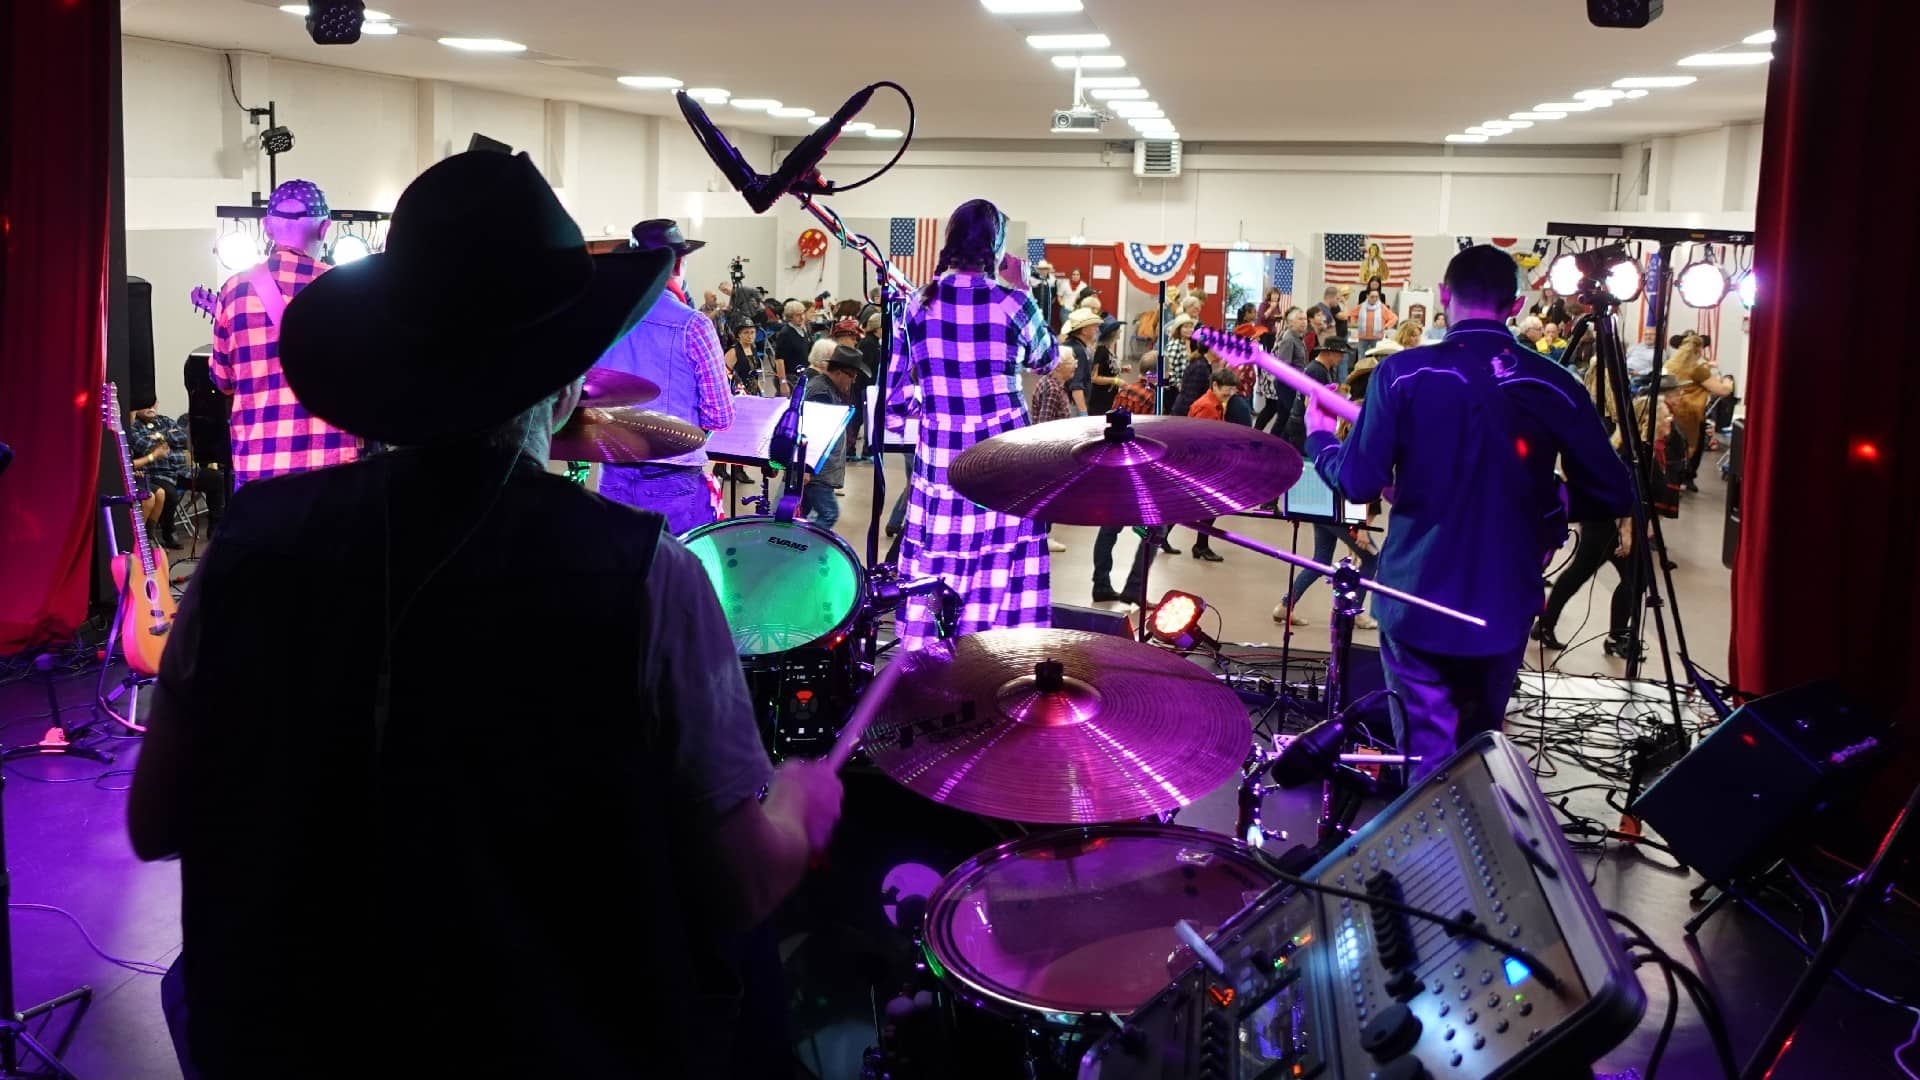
<point x="750" y="440"/>
<point x="902" y="443"/>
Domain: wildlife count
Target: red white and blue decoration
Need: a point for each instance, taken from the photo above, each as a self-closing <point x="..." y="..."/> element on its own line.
<point x="914" y="246"/>
<point x="1148" y="265"/>
<point x="1355" y="258"/>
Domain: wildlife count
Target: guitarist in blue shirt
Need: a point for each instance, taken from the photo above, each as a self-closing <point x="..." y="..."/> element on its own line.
<point x="1463" y="437"/>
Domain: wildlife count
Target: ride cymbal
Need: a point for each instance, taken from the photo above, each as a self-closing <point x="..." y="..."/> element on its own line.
<point x="624" y="437"/>
<point x="1120" y="469"/>
<point x="605" y="388"/>
<point x="1058" y="726"/>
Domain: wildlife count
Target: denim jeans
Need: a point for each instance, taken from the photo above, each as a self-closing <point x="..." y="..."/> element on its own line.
<point x="820" y="505"/>
<point x="1143" y="552"/>
<point x="1324" y="539"/>
<point x="677" y="492"/>
<point x="1445" y="700"/>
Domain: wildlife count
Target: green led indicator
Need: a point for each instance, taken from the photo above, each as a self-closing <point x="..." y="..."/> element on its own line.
<point x="1517" y="998"/>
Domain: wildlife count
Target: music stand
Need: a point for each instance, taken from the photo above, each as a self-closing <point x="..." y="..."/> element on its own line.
<point x="749" y="439"/>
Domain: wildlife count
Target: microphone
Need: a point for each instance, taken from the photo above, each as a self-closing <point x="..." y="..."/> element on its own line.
<point x="728" y="159"/>
<point x="1311" y="755"/>
<point x="802" y="163"/>
<point x="798" y="171"/>
<point x="786" y="434"/>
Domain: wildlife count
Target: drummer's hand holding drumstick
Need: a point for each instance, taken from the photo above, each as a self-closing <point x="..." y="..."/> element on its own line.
<point x="804" y="800"/>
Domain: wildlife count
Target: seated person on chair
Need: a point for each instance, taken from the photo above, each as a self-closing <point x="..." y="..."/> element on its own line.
<point x="442" y="733"/>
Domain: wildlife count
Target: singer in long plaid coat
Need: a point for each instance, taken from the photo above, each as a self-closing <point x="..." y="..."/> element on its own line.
<point x="957" y="365"/>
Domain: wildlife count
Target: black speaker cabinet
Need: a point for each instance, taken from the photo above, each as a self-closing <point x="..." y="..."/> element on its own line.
<point x="1734" y="802"/>
<point x="139" y="342"/>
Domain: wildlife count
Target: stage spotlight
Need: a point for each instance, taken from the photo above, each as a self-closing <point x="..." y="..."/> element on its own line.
<point x="1747" y="289"/>
<point x="1624" y="280"/>
<point x="1564" y="275"/>
<point x="1176" y="621"/>
<point x="237" y="251"/>
<point x="276" y="140"/>
<point x="335" y="22"/>
<point x="1702" y="284"/>
<point x="347" y="249"/>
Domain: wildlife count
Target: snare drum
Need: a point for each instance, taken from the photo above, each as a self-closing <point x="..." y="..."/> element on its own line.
<point x="1055" y="930"/>
<point x="792" y="595"/>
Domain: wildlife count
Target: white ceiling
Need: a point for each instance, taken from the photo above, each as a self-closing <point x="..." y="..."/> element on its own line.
<point x="1241" y="70"/>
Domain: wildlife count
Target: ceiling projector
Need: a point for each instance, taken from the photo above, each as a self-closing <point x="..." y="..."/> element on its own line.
<point x="1080" y="118"/>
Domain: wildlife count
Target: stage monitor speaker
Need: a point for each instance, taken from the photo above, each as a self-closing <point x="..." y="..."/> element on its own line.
<point x="1098" y="620"/>
<point x="208" y="411"/>
<point x="1624" y="14"/>
<point x="1735" y="801"/>
<point x="140" y="386"/>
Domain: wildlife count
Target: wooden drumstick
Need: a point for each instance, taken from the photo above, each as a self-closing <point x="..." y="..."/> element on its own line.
<point x="1244" y="350"/>
<point x="863" y="713"/>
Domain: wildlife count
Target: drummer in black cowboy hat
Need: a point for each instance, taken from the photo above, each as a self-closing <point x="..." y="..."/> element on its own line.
<point x="834" y="386"/>
<point x="675" y="347"/>
<point x="427" y="719"/>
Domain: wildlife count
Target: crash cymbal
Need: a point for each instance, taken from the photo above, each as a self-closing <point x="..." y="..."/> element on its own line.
<point x="624" y="437"/>
<point x="1104" y="470"/>
<point x="606" y="388"/>
<point x="1129" y="730"/>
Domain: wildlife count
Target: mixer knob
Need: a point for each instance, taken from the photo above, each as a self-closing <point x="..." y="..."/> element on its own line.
<point x="1390" y="1034"/>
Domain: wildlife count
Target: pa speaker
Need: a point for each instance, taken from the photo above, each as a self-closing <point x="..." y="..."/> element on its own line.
<point x="1737" y="799"/>
<point x="139" y="341"/>
<point x="1624" y="14"/>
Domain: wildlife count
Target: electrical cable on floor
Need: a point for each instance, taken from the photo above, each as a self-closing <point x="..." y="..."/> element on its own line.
<point x="1912" y="1038"/>
<point x="1703" y="1001"/>
<point x="1666" y="1024"/>
<point x="140" y="966"/>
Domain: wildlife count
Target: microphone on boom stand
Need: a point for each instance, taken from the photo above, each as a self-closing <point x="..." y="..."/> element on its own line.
<point x="798" y="173"/>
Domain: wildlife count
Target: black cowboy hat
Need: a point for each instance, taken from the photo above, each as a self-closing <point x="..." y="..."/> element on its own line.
<point x="655" y="234"/>
<point x="846" y="356"/>
<point x="1332" y="344"/>
<point x="484" y="301"/>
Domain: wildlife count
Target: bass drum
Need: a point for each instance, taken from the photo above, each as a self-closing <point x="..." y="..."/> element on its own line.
<point x="1057" y="932"/>
<point x="792" y="594"/>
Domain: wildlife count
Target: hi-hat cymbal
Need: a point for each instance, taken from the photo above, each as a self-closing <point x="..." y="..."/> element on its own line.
<point x="1105" y="470"/>
<point x="1125" y="731"/>
<point x="624" y="437"/>
<point x="605" y="388"/>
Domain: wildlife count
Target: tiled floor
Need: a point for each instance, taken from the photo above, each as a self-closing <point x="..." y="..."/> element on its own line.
<point x="67" y="846"/>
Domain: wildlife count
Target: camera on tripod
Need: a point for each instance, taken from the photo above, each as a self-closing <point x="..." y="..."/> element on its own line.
<point x="737" y="270"/>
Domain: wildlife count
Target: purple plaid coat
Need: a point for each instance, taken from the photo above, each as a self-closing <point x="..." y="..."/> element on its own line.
<point x="957" y="365"/>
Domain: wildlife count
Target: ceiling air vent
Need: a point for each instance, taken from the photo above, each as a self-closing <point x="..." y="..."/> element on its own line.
<point x="1156" y="157"/>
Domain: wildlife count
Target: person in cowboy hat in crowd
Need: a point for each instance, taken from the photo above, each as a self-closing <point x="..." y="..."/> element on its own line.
<point x="845" y="370"/>
<point x="675" y="348"/>
<point x="421" y="817"/>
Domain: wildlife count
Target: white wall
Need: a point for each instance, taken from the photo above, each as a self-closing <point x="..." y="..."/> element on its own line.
<point x="363" y="137"/>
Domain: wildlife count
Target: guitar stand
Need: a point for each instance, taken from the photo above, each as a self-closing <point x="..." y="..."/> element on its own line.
<point x="57" y="742"/>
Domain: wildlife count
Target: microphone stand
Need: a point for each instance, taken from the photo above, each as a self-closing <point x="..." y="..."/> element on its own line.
<point x="894" y="287"/>
<point x="1315" y="752"/>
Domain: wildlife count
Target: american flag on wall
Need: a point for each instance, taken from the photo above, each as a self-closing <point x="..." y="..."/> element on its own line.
<point x="1280" y="276"/>
<point x="1345" y="254"/>
<point x="914" y="246"/>
<point x="1036" y="252"/>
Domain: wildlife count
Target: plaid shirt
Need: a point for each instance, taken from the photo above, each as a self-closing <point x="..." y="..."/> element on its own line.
<point x="272" y="434"/>
<point x="1136" y="398"/>
<point x="1049" y="400"/>
<point x="957" y="364"/>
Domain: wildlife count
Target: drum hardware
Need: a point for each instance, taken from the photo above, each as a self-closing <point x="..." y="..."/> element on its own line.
<point x="623" y="436"/>
<point x="608" y="388"/>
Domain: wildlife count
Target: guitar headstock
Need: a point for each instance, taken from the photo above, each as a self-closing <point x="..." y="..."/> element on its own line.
<point x="204" y="300"/>
<point x="110" y="407"/>
<point x="1232" y="347"/>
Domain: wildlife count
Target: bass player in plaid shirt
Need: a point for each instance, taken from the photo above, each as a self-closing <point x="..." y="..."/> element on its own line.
<point x="962" y="345"/>
<point x="272" y="433"/>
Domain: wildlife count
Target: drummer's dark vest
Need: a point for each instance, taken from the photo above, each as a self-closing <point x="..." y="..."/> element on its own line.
<point x="502" y="880"/>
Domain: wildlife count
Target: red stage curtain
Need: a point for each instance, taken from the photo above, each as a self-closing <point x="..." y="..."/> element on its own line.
<point x="1825" y="582"/>
<point x="54" y="213"/>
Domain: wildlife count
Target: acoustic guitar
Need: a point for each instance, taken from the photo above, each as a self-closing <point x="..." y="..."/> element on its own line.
<point x="145" y="613"/>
